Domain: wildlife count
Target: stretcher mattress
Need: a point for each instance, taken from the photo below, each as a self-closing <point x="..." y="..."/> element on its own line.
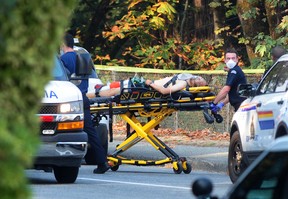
<point x="194" y="98"/>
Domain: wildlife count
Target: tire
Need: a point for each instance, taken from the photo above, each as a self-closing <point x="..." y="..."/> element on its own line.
<point x="102" y="131"/>
<point x="178" y="169"/>
<point x="187" y="168"/>
<point x="237" y="162"/>
<point x="115" y="168"/>
<point x="66" y="174"/>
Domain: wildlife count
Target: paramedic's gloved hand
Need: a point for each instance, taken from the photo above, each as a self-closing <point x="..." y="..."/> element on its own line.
<point x="212" y="106"/>
<point x="218" y="107"/>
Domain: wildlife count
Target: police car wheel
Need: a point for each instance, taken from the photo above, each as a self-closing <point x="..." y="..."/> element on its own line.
<point x="236" y="159"/>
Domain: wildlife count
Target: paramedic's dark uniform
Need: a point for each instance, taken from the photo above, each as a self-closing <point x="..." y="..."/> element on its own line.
<point x="234" y="78"/>
<point x="95" y="153"/>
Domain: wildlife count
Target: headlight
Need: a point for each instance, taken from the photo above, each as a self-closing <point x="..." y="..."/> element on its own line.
<point x="72" y="107"/>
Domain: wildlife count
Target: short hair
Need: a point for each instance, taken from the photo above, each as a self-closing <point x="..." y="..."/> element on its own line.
<point x="69" y="40"/>
<point x="231" y="50"/>
<point x="277" y="52"/>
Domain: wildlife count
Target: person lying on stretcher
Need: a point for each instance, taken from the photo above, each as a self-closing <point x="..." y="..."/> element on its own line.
<point x="165" y="86"/>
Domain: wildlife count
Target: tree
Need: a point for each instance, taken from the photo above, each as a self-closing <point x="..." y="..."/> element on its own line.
<point x="262" y="30"/>
<point x="186" y="34"/>
<point x="30" y="34"/>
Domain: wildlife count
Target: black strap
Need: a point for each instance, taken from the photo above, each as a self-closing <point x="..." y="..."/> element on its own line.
<point x="187" y="86"/>
<point x="121" y="85"/>
<point x="172" y="80"/>
<point x="110" y="122"/>
<point x="97" y="90"/>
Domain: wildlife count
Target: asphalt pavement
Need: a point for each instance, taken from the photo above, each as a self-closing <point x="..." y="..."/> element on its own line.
<point x="212" y="159"/>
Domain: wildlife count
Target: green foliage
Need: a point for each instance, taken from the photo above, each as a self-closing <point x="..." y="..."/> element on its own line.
<point x="146" y="24"/>
<point x="205" y="55"/>
<point x="264" y="44"/>
<point x="30" y="34"/>
<point x="154" y="34"/>
<point x="284" y="24"/>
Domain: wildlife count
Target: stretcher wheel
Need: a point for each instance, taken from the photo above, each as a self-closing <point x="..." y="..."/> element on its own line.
<point x="115" y="168"/>
<point x="177" y="167"/>
<point x="218" y="118"/>
<point x="187" y="168"/>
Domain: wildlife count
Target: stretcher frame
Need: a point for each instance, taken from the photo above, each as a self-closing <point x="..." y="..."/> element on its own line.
<point x="143" y="102"/>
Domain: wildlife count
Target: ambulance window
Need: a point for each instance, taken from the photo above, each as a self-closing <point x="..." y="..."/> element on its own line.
<point x="58" y="71"/>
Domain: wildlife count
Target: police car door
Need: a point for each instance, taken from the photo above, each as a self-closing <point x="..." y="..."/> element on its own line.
<point x="269" y="103"/>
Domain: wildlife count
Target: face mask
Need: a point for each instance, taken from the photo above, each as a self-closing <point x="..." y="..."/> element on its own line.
<point x="230" y="64"/>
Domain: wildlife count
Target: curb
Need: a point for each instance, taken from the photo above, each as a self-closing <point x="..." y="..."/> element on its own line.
<point x="211" y="159"/>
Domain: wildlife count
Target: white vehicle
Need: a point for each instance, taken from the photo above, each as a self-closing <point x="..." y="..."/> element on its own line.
<point x="102" y="124"/>
<point x="63" y="141"/>
<point x="261" y="118"/>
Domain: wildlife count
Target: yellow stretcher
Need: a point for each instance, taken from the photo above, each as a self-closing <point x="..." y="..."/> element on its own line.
<point x="143" y="102"/>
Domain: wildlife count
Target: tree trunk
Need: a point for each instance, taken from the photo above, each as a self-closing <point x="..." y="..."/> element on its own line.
<point x="203" y="20"/>
<point x="181" y="32"/>
<point x="252" y="25"/>
<point x="90" y="41"/>
<point x="274" y="16"/>
<point x="219" y="22"/>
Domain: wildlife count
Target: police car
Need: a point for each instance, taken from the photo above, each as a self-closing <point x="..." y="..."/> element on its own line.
<point x="266" y="177"/>
<point x="261" y="118"/>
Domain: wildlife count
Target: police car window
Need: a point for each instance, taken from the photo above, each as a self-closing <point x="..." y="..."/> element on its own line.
<point x="282" y="81"/>
<point x="268" y="85"/>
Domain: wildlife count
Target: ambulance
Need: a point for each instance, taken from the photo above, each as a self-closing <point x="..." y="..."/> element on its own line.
<point x="261" y="118"/>
<point x="63" y="141"/>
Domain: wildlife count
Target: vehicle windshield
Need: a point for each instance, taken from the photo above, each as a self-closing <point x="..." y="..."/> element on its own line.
<point x="267" y="180"/>
<point x="276" y="80"/>
<point x="58" y="70"/>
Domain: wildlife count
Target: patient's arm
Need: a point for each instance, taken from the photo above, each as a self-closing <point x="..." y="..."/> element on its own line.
<point x="159" y="87"/>
<point x="105" y="93"/>
<point x="110" y="92"/>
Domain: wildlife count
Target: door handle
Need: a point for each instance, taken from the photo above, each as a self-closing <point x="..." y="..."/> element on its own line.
<point x="280" y="102"/>
<point x="259" y="104"/>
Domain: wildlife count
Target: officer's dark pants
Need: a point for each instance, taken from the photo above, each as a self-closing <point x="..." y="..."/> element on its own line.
<point x="95" y="153"/>
<point x="236" y="106"/>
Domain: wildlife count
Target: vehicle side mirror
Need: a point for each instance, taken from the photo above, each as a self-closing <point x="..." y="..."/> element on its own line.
<point x="84" y="64"/>
<point x="202" y="188"/>
<point x="247" y="90"/>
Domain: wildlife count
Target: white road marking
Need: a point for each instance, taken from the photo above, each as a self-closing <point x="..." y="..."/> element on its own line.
<point x="134" y="183"/>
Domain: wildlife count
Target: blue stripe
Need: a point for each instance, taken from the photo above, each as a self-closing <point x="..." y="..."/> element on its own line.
<point x="248" y="108"/>
<point x="266" y="124"/>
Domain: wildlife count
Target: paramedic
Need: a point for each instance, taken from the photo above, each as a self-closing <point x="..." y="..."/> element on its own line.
<point x="95" y="153"/>
<point x="235" y="77"/>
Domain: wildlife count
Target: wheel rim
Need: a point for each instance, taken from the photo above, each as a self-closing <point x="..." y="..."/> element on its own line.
<point x="237" y="158"/>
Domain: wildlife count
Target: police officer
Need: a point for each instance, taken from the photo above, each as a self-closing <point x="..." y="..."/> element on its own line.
<point x="95" y="153"/>
<point x="235" y="77"/>
<point x="276" y="53"/>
